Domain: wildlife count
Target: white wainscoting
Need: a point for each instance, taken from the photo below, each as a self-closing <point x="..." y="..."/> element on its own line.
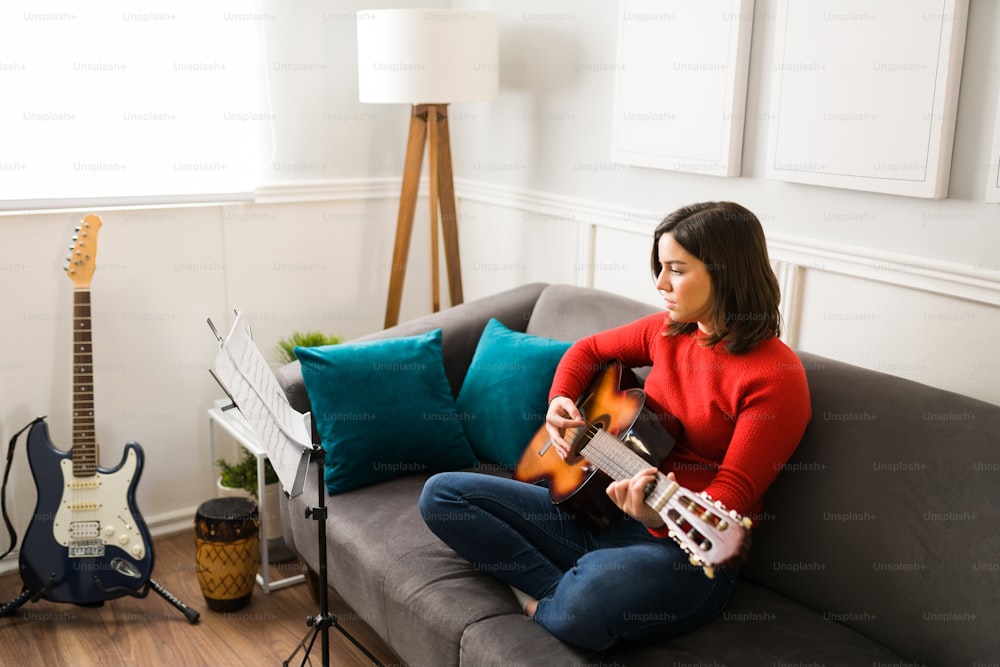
<point x="931" y="321"/>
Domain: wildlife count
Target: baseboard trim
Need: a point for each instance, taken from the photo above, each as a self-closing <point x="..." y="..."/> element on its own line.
<point x="161" y="525"/>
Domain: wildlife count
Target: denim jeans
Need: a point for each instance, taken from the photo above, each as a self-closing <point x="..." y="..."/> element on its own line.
<point x="594" y="587"/>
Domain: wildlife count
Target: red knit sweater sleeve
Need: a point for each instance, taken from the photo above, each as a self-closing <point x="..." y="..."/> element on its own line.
<point x="630" y="344"/>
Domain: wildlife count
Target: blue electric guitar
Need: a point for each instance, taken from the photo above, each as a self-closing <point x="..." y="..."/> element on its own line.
<point x="86" y="542"/>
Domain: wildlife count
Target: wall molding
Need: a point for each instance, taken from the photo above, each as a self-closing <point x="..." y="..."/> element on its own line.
<point x="345" y="189"/>
<point x="952" y="279"/>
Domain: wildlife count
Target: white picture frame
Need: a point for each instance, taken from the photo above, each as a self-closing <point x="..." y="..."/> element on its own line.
<point x="865" y="93"/>
<point x="680" y="84"/>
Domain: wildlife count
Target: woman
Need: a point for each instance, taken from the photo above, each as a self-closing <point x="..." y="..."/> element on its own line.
<point x="726" y="388"/>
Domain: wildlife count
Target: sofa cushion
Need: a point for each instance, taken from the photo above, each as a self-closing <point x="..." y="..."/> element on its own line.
<point x="757" y="629"/>
<point x="885" y="516"/>
<point x="502" y="401"/>
<point x="395" y="574"/>
<point x="383" y="409"/>
<point x="566" y="312"/>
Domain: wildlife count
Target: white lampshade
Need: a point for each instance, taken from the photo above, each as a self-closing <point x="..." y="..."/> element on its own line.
<point x="427" y="56"/>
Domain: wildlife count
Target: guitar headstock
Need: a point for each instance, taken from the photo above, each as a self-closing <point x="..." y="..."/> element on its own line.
<point x="82" y="258"/>
<point x="711" y="535"/>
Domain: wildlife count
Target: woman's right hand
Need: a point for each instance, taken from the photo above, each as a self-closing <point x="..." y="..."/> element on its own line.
<point x="563" y="414"/>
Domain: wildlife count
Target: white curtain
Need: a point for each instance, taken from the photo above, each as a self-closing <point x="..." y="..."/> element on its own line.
<point x="114" y="102"/>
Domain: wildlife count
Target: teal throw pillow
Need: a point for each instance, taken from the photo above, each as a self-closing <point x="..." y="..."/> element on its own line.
<point x="505" y="394"/>
<point x="383" y="409"/>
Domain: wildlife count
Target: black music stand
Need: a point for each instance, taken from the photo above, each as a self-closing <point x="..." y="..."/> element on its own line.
<point x="248" y="381"/>
<point x="321" y="623"/>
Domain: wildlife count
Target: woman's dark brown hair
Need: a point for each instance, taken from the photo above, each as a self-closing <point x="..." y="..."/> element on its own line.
<point x="729" y="241"/>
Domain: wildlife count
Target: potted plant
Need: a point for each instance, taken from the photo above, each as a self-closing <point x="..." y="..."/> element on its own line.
<point x="241" y="478"/>
<point x="284" y="351"/>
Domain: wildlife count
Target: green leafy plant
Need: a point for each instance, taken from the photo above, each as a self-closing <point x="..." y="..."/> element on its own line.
<point x="284" y="351"/>
<point x="243" y="475"/>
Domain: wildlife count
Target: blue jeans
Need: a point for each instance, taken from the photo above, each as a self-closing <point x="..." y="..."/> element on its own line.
<point x="594" y="587"/>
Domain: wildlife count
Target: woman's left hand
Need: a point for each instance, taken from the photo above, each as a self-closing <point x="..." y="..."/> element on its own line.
<point x="630" y="496"/>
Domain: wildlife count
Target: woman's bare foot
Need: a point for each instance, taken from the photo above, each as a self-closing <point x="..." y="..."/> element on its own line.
<point x="528" y="603"/>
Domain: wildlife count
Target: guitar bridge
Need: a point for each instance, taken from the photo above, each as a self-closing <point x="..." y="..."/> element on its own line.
<point x="86" y="549"/>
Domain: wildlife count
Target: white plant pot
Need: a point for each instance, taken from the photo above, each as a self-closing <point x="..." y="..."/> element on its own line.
<point x="272" y="521"/>
<point x="230" y="492"/>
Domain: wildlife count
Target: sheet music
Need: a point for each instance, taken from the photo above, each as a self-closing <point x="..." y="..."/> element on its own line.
<point x="243" y="373"/>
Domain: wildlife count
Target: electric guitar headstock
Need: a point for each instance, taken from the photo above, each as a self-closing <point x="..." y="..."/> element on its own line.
<point x="711" y="535"/>
<point x="82" y="258"/>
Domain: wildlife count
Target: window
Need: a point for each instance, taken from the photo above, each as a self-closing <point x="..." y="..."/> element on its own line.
<point x="124" y="103"/>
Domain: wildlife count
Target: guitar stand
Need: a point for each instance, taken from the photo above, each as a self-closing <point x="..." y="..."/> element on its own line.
<point x="322" y="622"/>
<point x="189" y="613"/>
<point x="27" y="595"/>
<point x="22" y="597"/>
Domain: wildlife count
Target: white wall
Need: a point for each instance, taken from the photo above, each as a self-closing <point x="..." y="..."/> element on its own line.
<point x="904" y="285"/>
<point x="551" y="132"/>
<point x="910" y="287"/>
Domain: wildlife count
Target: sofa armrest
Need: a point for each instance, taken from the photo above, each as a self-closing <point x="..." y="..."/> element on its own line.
<point x="461" y="328"/>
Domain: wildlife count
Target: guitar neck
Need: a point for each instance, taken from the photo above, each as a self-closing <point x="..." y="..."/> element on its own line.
<point x="619" y="462"/>
<point x="84" y="436"/>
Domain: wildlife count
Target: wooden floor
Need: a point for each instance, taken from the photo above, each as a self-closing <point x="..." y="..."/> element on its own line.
<point x="149" y="631"/>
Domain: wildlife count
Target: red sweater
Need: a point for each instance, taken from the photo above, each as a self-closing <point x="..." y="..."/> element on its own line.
<point x="736" y="418"/>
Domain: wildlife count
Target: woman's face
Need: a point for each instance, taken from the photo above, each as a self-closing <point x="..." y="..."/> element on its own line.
<point x="684" y="284"/>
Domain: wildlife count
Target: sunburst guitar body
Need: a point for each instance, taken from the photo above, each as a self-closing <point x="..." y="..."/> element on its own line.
<point x="617" y="442"/>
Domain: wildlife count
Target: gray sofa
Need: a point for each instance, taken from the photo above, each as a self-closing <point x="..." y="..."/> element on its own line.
<point x="880" y="543"/>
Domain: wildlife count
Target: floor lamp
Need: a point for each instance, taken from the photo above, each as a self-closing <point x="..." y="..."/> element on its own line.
<point x="428" y="58"/>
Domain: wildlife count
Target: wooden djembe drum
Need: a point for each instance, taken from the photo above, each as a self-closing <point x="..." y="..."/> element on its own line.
<point x="227" y="551"/>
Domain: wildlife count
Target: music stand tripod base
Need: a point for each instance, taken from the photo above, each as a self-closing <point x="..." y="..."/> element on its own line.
<point x="321" y="623"/>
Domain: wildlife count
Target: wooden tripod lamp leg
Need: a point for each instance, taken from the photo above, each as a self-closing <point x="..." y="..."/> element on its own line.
<point x="432" y="164"/>
<point x="449" y="213"/>
<point x="407" y="206"/>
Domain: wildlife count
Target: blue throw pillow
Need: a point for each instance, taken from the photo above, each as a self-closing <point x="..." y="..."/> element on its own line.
<point x="505" y="393"/>
<point x="383" y="409"/>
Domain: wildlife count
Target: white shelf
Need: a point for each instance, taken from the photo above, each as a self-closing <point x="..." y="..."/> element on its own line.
<point x="233" y="423"/>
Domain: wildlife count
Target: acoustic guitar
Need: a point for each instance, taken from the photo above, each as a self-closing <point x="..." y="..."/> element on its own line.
<point x="610" y="447"/>
<point x="86" y="541"/>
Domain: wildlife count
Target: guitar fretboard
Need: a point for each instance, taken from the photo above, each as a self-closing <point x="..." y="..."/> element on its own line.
<point x="84" y="437"/>
<point x="619" y="462"/>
